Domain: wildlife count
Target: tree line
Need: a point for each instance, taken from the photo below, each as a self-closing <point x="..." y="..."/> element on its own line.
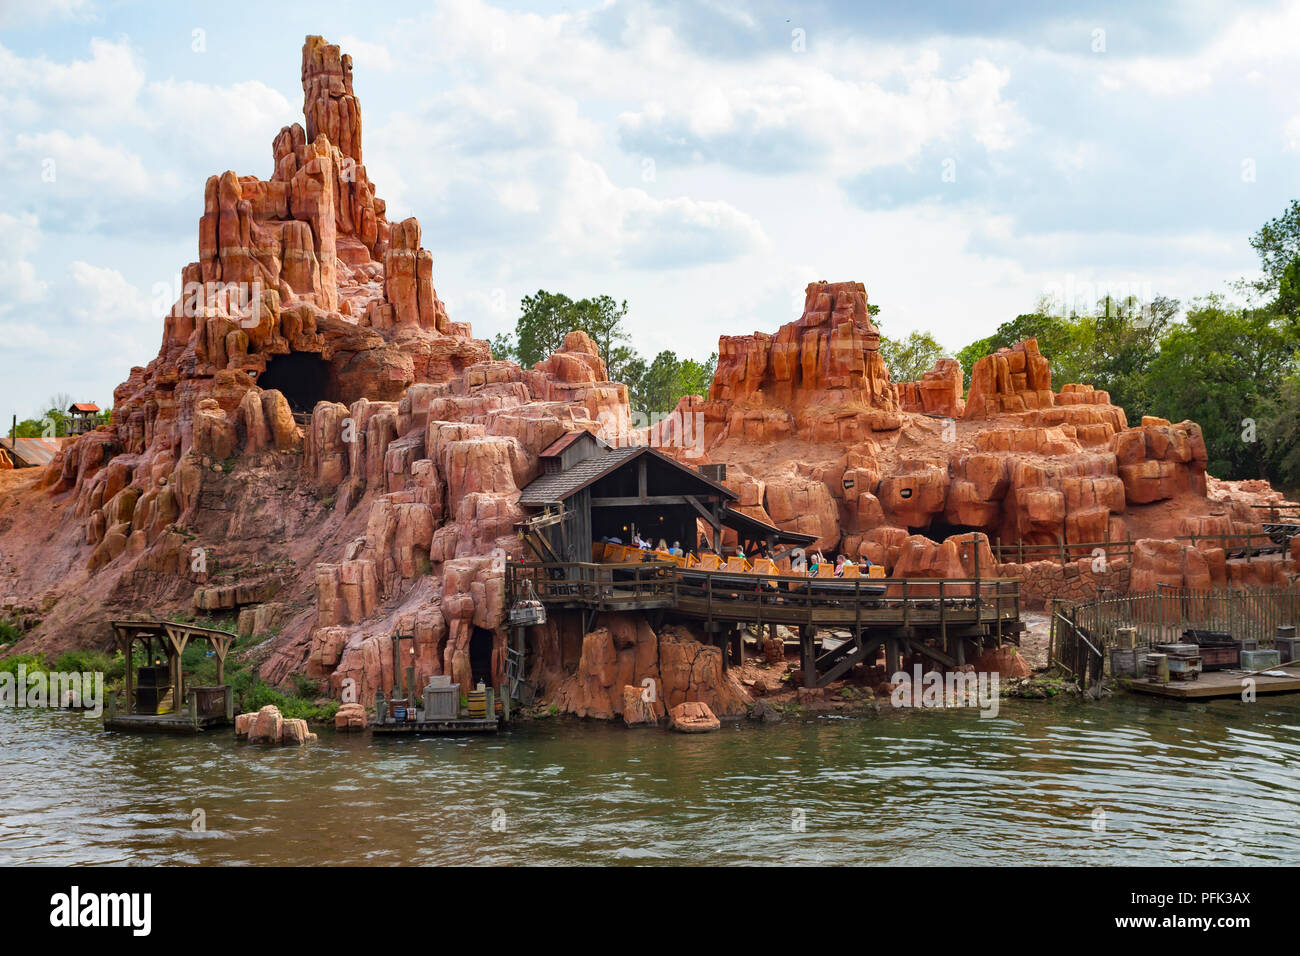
<point x="653" y="387"/>
<point x="54" y="422"/>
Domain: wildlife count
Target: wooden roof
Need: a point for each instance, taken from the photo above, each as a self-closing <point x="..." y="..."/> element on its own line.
<point x="560" y="444"/>
<point x="549" y="489"/>
<point x="756" y="529"/>
<point x="35" y="452"/>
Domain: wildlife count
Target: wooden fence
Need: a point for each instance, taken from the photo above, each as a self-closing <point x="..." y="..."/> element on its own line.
<point x="1249" y="545"/>
<point x="1162" y="615"/>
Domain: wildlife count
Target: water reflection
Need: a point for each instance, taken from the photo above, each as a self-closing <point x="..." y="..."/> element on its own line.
<point x="1210" y="782"/>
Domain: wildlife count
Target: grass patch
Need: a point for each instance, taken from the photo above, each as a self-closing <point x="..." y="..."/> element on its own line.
<point x="9" y="632"/>
<point x="292" y="706"/>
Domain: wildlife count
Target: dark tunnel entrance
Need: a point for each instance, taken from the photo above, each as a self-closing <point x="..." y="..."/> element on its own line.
<point x="303" y="378"/>
<point x="480" y="656"/>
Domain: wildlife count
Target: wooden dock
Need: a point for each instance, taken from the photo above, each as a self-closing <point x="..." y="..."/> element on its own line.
<point x="1220" y="684"/>
<point x="458" y="725"/>
<point x="181" y="723"/>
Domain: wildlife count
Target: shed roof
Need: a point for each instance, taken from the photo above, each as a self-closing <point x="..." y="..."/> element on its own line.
<point x="83" y="407"/>
<point x="33" y="451"/>
<point x="561" y="485"/>
<point x="564" y="441"/>
<point x="756" y="528"/>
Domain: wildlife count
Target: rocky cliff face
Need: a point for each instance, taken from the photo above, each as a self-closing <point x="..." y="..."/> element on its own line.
<point x="818" y="439"/>
<point x="317" y="448"/>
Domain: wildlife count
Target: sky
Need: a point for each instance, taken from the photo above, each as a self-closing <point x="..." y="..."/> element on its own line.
<point x="703" y="161"/>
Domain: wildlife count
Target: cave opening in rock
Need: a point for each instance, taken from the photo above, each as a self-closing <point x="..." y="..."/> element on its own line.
<point x="303" y="378"/>
<point x="940" y="530"/>
<point x="480" y="656"/>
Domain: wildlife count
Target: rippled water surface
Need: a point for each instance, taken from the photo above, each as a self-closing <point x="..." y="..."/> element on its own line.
<point x="1216" y="782"/>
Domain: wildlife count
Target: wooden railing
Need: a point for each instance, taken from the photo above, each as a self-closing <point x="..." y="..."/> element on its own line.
<point x="1234" y="545"/>
<point x="773" y="598"/>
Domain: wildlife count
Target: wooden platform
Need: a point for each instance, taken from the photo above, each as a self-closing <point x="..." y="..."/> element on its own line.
<point x="935" y="617"/>
<point x="1220" y="684"/>
<point x="163" y="723"/>
<point x="460" y="725"/>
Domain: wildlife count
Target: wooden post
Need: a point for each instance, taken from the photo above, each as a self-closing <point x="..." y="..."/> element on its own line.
<point x="943" y="617"/>
<point x="222" y="647"/>
<point x="808" y="656"/>
<point x="130" y="674"/>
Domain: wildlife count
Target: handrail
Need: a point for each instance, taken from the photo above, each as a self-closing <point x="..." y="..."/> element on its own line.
<point x="773" y="597"/>
<point x="759" y="577"/>
<point x="1021" y="551"/>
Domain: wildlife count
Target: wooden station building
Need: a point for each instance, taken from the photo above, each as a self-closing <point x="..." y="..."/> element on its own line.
<point x="589" y="491"/>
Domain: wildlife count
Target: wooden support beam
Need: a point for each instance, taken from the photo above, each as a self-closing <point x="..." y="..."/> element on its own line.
<point x="632" y="501"/>
<point x="933" y="653"/>
<point x="808" y="655"/>
<point x="892" y="660"/>
<point x="859" y="652"/>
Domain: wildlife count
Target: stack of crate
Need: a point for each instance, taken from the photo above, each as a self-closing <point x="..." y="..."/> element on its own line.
<point x="1184" y="660"/>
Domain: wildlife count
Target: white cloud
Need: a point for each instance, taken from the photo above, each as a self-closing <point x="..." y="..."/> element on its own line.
<point x="19" y="239"/>
<point x="100" y="90"/>
<point x="366" y="56"/>
<point x="17" y="12"/>
<point x="101" y="296"/>
<point x="1252" y="40"/>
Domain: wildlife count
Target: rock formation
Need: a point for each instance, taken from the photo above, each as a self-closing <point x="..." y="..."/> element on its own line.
<point x="319" y="452"/>
<point x="818" y="440"/>
<point x="317" y="448"/>
<point x="269" y="726"/>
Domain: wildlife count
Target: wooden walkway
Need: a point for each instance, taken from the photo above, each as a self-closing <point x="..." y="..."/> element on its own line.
<point x="935" y="617"/>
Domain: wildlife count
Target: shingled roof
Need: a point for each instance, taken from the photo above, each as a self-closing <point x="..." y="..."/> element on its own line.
<point x="561" y="485"/>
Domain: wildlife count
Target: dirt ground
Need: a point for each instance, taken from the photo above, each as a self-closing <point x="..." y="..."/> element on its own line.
<point x="1033" y="642"/>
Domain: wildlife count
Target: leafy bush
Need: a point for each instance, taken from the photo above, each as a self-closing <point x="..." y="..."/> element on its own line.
<point x="32" y="662"/>
<point x="112" y="666"/>
<point x="290" y="706"/>
<point x="9" y="631"/>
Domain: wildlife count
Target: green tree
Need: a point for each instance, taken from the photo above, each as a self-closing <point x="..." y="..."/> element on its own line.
<point x="1278" y="245"/>
<point x="1064" y="339"/>
<point x="602" y="319"/>
<point x="545" y="318"/>
<point x="1221" y="368"/>
<point x="659" y="386"/>
<point x="1123" y="338"/>
<point x="1279" y="430"/>
<point x="911" y="357"/>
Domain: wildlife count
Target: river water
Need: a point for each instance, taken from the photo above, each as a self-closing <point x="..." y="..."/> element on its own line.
<point x="1124" y="781"/>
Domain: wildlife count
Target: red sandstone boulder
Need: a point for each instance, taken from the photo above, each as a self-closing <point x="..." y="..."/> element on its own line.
<point x="693" y="717"/>
<point x="1012" y="379"/>
<point x="350" y="717"/>
<point x="938" y="392"/>
<point x="1005" y="661"/>
<point x="639" y="706"/>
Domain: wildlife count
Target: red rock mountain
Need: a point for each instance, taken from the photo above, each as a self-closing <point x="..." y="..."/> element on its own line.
<point x="318" y="449"/>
